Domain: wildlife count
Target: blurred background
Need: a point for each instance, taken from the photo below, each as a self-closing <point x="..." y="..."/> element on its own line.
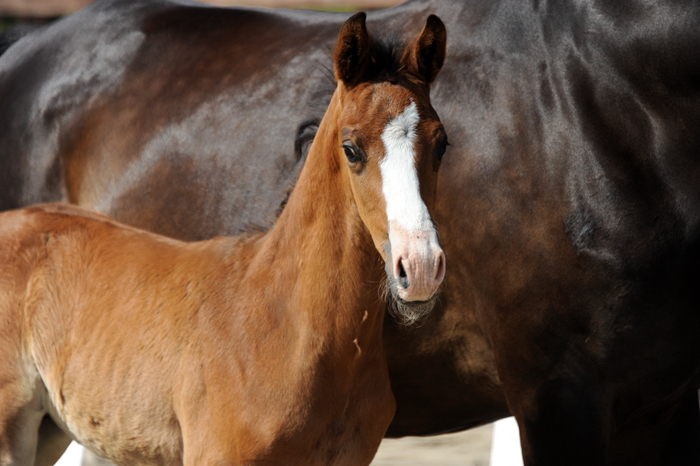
<point x="40" y="11"/>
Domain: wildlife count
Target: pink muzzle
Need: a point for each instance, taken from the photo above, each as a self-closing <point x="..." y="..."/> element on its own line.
<point x="418" y="262"/>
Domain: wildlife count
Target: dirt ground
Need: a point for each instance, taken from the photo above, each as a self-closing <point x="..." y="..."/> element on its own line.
<point x="469" y="448"/>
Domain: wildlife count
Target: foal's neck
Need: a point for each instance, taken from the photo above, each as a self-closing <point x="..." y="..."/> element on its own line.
<point x="323" y="254"/>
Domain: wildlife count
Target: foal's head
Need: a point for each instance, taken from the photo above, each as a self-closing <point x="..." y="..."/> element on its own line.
<point x="391" y="144"/>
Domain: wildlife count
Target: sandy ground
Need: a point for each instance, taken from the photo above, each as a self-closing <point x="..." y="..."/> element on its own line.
<point x="469" y="448"/>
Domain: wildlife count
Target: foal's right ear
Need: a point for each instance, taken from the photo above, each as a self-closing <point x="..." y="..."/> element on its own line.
<point x="352" y="54"/>
<point x="428" y="53"/>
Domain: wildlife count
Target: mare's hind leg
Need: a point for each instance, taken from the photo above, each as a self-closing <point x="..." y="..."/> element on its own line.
<point x="51" y="444"/>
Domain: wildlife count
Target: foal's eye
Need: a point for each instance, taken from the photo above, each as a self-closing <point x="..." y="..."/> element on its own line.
<point x="352" y="154"/>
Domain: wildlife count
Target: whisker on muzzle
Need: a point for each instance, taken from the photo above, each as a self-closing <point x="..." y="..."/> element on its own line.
<point x="409" y="314"/>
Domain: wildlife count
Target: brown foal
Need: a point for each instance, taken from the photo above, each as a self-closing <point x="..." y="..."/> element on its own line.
<point x="263" y="349"/>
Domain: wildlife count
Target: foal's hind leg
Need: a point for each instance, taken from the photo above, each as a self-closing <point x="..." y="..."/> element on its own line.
<point x="20" y="418"/>
<point x="52" y="443"/>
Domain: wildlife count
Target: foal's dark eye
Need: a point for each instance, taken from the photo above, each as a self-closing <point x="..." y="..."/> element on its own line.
<point x="352" y="154"/>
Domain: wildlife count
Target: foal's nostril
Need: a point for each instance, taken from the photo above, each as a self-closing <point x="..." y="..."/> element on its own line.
<point x="403" y="279"/>
<point x="440" y="268"/>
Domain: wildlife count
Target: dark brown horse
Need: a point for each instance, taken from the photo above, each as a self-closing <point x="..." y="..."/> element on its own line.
<point x="261" y="349"/>
<point x="568" y="202"/>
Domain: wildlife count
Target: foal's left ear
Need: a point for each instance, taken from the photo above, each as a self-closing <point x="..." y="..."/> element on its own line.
<point x="352" y="53"/>
<point x="427" y="55"/>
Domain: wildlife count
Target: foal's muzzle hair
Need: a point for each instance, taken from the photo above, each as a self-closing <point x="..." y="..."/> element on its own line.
<point x="405" y="312"/>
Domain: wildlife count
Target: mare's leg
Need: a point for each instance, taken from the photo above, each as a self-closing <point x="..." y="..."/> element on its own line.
<point x="568" y="421"/>
<point x="562" y="422"/>
<point x="669" y="435"/>
<point x="551" y="381"/>
<point x="52" y="443"/>
<point x="682" y="446"/>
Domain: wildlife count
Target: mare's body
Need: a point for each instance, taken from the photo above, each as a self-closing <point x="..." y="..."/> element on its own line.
<point x="264" y="349"/>
<point x="569" y="203"/>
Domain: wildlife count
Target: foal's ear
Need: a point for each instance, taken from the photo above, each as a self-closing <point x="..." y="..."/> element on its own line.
<point x="352" y="50"/>
<point x="428" y="53"/>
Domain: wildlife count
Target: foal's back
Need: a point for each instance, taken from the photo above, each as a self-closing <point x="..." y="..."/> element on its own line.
<point x="148" y="308"/>
<point x="56" y="264"/>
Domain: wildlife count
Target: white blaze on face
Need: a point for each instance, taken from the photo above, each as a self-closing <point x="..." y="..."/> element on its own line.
<point x="417" y="261"/>
<point x="404" y="204"/>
